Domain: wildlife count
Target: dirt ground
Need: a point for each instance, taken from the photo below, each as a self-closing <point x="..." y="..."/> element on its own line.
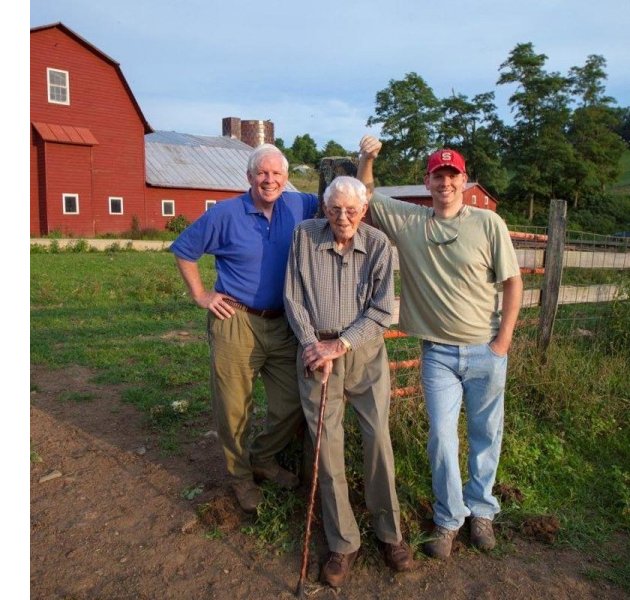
<point x="108" y="521"/>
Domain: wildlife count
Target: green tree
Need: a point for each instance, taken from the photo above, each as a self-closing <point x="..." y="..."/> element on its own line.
<point x="279" y="143"/>
<point x="473" y="128"/>
<point x="332" y="148"/>
<point x="592" y="131"/>
<point x="304" y="150"/>
<point x="597" y="147"/>
<point x="538" y="151"/>
<point x="623" y="128"/>
<point x="408" y="113"/>
<point x="587" y="82"/>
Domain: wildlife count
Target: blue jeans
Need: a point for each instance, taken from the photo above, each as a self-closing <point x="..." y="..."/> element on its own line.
<point x="475" y="374"/>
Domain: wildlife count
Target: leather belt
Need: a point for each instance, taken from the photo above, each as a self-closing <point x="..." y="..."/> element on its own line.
<point x="266" y="313"/>
<point x="327" y="336"/>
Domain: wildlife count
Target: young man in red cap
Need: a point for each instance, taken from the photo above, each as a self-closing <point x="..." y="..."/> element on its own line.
<point x="452" y="259"/>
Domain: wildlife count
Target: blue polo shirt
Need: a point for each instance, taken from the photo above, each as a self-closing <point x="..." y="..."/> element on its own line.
<point x="250" y="252"/>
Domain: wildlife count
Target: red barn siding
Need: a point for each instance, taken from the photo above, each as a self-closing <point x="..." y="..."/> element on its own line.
<point x="481" y="197"/>
<point x="189" y="203"/>
<point x="99" y="101"/>
<point x="68" y="172"/>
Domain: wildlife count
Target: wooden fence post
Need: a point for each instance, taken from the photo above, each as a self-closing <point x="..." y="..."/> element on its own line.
<point x="554" y="254"/>
<point x="329" y="168"/>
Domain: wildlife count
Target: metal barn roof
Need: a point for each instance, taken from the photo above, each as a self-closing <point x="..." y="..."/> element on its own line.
<point x="182" y="160"/>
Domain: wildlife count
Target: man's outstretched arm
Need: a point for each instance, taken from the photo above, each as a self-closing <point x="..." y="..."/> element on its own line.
<point x="369" y="147"/>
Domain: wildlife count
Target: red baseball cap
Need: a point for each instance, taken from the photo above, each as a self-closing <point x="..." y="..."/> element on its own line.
<point x="446" y="158"/>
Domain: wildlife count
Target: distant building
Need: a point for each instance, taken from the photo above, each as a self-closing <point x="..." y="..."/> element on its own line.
<point x="474" y="195"/>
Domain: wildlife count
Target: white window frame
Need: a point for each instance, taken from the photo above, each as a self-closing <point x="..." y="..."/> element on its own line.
<point x="63" y="203"/>
<point x="473" y="199"/>
<point x="122" y="205"/>
<point x="485" y="200"/>
<point x="54" y="86"/>
<point x="164" y="204"/>
<point x="210" y="204"/>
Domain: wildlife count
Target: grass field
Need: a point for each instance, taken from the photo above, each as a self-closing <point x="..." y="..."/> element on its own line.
<point x="566" y="445"/>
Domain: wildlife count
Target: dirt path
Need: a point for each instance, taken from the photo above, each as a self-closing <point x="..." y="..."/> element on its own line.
<point x="108" y="521"/>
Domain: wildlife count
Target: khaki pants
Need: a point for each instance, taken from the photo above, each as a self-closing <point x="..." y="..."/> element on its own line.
<point x="242" y="347"/>
<point x="363" y="377"/>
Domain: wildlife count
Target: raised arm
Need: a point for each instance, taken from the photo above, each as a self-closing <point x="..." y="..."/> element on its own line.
<point x="369" y="148"/>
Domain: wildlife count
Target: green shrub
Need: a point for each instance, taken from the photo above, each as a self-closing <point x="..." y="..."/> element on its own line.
<point x="177" y="224"/>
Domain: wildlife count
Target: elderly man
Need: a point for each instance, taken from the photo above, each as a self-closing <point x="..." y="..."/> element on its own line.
<point x="452" y="259"/>
<point x="248" y="331"/>
<point x="339" y="300"/>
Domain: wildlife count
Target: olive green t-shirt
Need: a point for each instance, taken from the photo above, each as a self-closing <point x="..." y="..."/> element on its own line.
<point x="449" y="291"/>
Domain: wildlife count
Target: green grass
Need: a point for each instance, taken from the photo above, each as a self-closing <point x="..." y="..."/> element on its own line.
<point x="78" y="397"/>
<point x="566" y="444"/>
<point x="306" y="183"/>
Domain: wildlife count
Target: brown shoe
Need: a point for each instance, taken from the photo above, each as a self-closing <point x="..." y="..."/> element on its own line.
<point x="441" y="542"/>
<point x="482" y="534"/>
<point x="248" y="494"/>
<point x="274" y="472"/>
<point x="337" y="568"/>
<point x="398" y="556"/>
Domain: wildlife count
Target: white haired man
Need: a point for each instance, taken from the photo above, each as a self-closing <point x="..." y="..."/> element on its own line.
<point x="248" y="332"/>
<point x="339" y="300"/>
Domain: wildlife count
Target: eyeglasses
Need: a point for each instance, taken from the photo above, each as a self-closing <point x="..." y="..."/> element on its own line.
<point x="428" y="229"/>
<point x="336" y="211"/>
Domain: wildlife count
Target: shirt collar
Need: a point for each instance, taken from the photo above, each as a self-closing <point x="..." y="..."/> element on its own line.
<point x="327" y="239"/>
<point x="248" y="202"/>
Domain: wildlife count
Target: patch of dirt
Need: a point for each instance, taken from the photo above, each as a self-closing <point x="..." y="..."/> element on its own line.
<point x="109" y="521"/>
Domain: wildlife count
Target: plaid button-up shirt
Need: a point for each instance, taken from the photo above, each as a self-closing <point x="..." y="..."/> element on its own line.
<point x="326" y="291"/>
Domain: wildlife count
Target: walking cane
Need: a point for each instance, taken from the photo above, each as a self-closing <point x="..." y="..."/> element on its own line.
<point x="311" y="500"/>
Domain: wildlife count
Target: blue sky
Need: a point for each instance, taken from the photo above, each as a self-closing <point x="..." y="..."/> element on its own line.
<point x="315" y="67"/>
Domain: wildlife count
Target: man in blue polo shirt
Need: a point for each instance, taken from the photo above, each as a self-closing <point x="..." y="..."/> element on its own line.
<point x="248" y="333"/>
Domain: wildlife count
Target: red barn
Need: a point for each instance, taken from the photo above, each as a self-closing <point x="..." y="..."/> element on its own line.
<point x="87" y="139"/>
<point x="474" y="195"/>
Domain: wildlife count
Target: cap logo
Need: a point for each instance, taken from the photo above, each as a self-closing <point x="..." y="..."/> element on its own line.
<point x="447" y="156"/>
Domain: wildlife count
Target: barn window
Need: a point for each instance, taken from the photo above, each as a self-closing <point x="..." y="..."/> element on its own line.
<point x="115" y="205"/>
<point x="485" y="200"/>
<point x="210" y="204"/>
<point x="70" y="204"/>
<point x="58" y="86"/>
<point x="168" y="208"/>
<point x="474" y="199"/>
